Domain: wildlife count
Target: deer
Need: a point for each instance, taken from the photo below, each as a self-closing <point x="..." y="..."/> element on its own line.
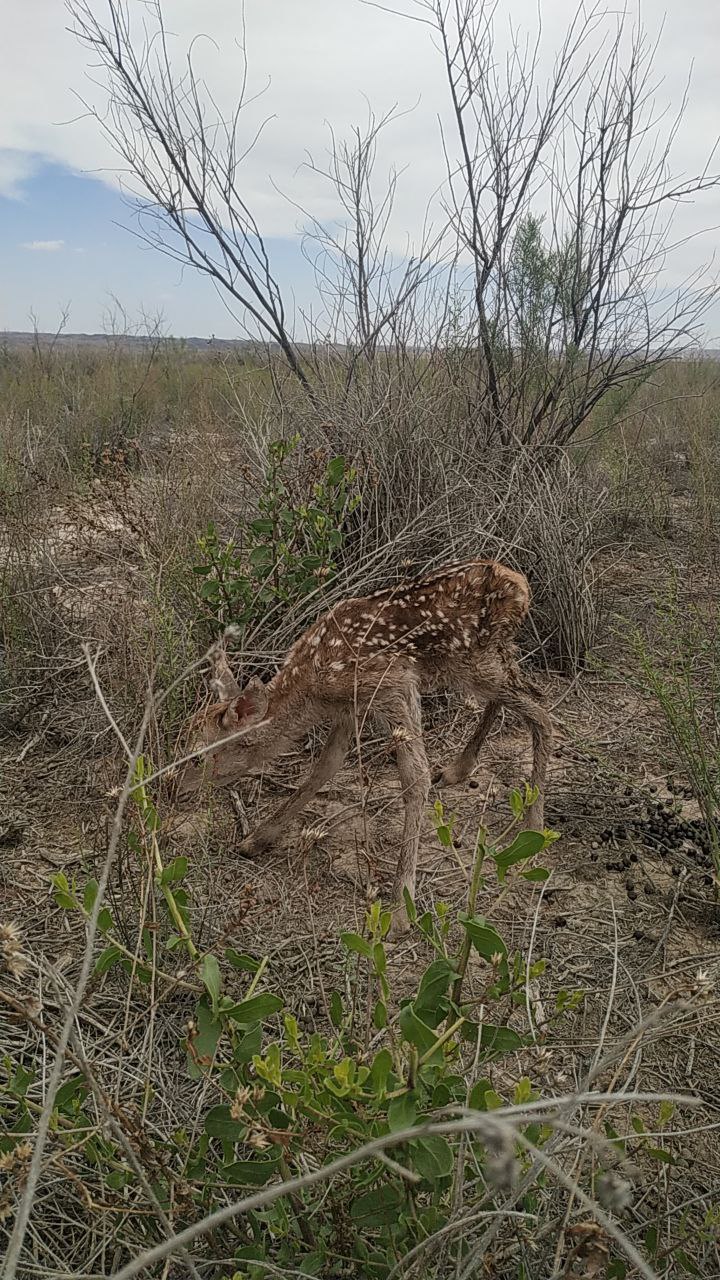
<point x="453" y="629"/>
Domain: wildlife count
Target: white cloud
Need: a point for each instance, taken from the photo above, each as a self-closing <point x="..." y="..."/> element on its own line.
<point x="43" y="246"/>
<point x="15" y="169"/>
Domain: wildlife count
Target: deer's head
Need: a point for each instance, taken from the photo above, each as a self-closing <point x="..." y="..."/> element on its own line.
<point x="223" y="732"/>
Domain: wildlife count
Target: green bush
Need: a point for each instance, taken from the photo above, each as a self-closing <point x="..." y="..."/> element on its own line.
<point x="286" y="552"/>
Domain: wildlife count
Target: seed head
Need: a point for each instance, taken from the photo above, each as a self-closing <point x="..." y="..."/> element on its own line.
<point x="702" y="985"/>
<point x="257" y="1140"/>
<point x="12" y="956"/>
<point x="239" y="1103"/>
<point x="401" y="734"/>
<point x="312" y="834"/>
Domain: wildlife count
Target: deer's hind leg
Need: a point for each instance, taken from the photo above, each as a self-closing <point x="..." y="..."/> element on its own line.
<point x="464" y="763"/>
<point x="328" y="763"/>
<point x="518" y="699"/>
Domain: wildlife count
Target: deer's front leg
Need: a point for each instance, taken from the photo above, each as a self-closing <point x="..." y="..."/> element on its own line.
<point x="414" y="773"/>
<point x="325" y="767"/>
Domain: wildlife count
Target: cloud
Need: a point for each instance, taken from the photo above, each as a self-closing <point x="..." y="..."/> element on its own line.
<point x="313" y="64"/>
<point x="309" y="64"/>
<point x="15" y="169"/>
<point x="43" y="246"/>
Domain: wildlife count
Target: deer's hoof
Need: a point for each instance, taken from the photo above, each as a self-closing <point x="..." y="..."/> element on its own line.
<point x="445" y="777"/>
<point x="400" y="926"/>
<point x="254" y="845"/>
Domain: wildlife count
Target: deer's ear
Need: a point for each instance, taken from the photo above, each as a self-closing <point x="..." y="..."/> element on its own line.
<point x="249" y="708"/>
<point x="223" y="683"/>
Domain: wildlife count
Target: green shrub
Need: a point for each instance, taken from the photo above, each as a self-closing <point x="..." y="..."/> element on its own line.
<point x="286" y="552"/>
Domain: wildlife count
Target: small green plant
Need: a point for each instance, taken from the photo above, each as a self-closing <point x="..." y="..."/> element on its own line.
<point x="288" y="551"/>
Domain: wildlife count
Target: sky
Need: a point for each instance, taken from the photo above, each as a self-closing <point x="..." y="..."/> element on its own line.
<point x="66" y="229"/>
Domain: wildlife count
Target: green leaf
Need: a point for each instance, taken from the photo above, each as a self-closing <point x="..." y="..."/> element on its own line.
<point x="205" y="1042"/>
<point x="312" y="1264"/>
<point x="64" y="896"/>
<point x="335" y="470"/>
<point x="250" y="1173"/>
<point x="381" y="1068"/>
<point x="175" y="870"/>
<point x="476" y="1099"/>
<point x="380" y="1017"/>
<point x="89" y="896"/>
<point x="429" y="1003"/>
<point x="255" y="1009"/>
<point x="523" y="1091"/>
<point x="535" y="873"/>
<point x="107" y="959"/>
<point x="247" y="1046"/>
<point x="220" y="1124"/>
<point x="516" y="803"/>
<point x="336" y="1009"/>
<point x="637" y="1124"/>
<point x="667" y="1111"/>
<point x="432" y="1157"/>
<point x="525" y="845"/>
<point x="500" y="1039"/>
<point x="240" y="960"/>
<point x="409" y="906"/>
<point x="493" y="1039"/>
<point x="354" y="942"/>
<point x="261" y="525"/>
<point x="493" y="1100"/>
<point x="75" y="1087"/>
<point x="261" y="557"/>
<point x="657" y="1153"/>
<point x="378" y="1207"/>
<point x="210" y="976"/>
<point x="105" y="920"/>
<point x="417" y="1032"/>
<point x="402" y="1112"/>
<point x="486" y="940"/>
<point x="379" y="958"/>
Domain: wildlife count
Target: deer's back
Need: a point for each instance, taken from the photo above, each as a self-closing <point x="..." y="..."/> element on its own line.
<point x="445" y="616"/>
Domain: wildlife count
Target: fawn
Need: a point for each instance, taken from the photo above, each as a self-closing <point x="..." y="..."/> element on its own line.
<point x="451" y="629"/>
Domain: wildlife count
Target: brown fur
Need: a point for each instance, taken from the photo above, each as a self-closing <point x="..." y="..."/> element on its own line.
<point x="452" y="629"/>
